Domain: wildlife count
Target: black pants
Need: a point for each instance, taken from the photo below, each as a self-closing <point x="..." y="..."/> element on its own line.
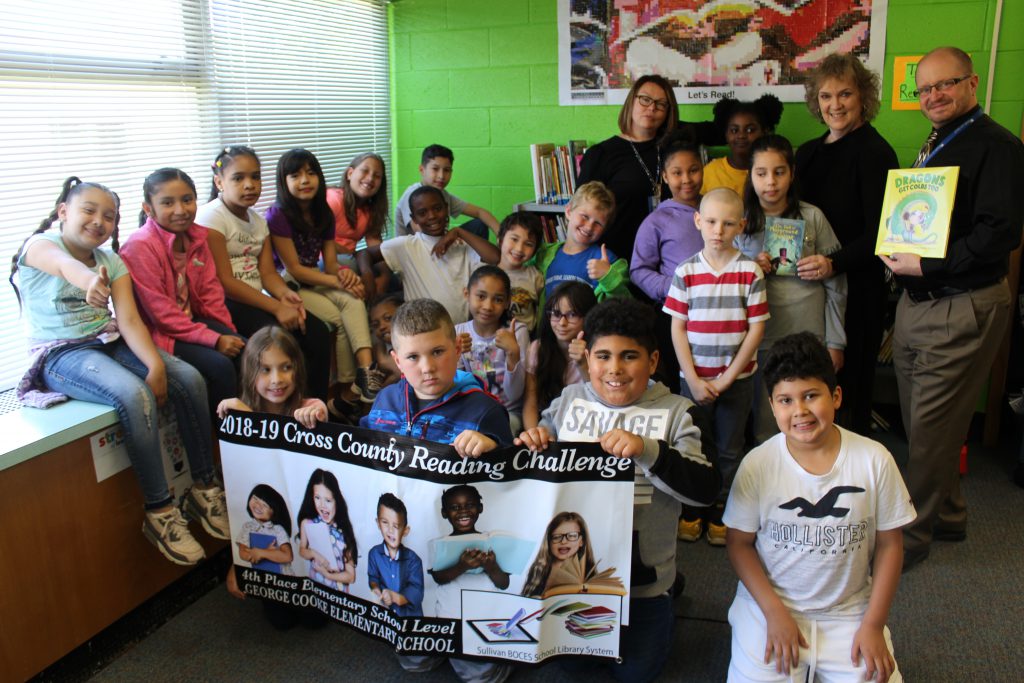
<point x="315" y="343"/>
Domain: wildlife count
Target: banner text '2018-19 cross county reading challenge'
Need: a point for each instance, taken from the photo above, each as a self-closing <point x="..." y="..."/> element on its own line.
<point x="404" y="456"/>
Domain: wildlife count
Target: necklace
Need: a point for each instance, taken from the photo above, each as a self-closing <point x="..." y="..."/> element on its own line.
<point x="654" y="179"/>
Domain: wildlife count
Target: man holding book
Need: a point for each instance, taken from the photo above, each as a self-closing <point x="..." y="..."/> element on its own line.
<point x="954" y="310"/>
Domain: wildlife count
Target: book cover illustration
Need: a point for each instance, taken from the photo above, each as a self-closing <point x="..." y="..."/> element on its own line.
<point x="318" y="536"/>
<point x="574" y="577"/>
<point x="264" y="541"/>
<point x="580" y="619"/>
<point x="513" y="554"/>
<point x="784" y="241"/>
<point x="916" y="211"/>
<point x="592" y="622"/>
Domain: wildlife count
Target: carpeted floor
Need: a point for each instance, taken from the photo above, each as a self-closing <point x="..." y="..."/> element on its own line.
<point x="957" y="616"/>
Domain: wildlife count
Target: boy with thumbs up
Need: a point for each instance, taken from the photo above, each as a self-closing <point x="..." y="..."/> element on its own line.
<point x="582" y="257"/>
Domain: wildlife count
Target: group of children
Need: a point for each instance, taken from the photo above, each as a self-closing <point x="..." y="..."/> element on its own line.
<point x="249" y="302"/>
<point x="821" y="597"/>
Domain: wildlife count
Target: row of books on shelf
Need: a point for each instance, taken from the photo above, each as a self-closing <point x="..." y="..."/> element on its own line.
<point x="556" y="170"/>
<point x="554" y="226"/>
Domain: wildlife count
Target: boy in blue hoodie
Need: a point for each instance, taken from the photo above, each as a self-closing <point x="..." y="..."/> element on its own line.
<point x="434" y="400"/>
<point x="437" y="402"/>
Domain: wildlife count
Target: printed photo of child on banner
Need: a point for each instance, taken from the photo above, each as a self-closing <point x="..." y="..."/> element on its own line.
<point x="514" y="555"/>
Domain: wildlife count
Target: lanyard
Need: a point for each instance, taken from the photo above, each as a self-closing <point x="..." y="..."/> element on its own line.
<point x="654" y="179"/>
<point x="959" y="129"/>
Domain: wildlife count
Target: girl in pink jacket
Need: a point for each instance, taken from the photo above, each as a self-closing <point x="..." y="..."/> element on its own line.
<point x="176" y="286"/>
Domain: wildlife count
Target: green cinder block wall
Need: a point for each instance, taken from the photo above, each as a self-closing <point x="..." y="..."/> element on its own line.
<point x="481" y="77"/>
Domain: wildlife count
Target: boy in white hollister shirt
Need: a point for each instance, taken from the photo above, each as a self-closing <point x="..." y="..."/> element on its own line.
<point x="814" y="519"/>
<point x="633" y="417"/>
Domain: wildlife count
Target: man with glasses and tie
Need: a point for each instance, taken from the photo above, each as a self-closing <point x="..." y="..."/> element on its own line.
<point x="954" y="310"/>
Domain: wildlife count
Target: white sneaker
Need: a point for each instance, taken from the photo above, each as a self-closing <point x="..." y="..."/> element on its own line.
<point x="208" y="507"/>
<point x="168" y="531"/>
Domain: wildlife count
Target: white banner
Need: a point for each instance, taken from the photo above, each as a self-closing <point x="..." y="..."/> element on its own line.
<point x="515" y="555"/>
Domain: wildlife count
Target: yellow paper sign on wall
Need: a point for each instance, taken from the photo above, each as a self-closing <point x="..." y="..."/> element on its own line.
<point x="903" y="85"/>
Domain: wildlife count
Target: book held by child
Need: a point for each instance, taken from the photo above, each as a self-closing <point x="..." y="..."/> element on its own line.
<point x="784" y="241"/>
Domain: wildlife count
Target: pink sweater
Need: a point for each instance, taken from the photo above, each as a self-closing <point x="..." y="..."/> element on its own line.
<point x="147" y="253"/>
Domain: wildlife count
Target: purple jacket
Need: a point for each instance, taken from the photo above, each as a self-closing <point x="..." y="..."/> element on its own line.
<point x="666" y="238"/>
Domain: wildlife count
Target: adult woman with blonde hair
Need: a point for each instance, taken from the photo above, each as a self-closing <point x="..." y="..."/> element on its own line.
<point x="843" y="173"/>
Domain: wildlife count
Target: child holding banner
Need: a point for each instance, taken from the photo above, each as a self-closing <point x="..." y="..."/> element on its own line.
<point x="631" y="417"/>
<point x="274" y="379"/>
<point x="436" y="401"/>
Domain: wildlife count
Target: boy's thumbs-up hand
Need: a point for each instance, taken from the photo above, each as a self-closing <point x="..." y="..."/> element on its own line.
<point x="597" y="268"/>
<point x="577" y="348"/>
<point x="99" y="289"/>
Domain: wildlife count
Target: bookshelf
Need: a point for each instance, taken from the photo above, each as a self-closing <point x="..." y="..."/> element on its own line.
<point x="552" y="218"/>
<point x="536" y="207"/>
<point x="555" y="171"/>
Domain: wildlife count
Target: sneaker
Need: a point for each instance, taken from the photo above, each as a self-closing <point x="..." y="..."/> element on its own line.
<point x="690" y="530"/>
<point x="208" y="507"/>
<point x="716" y="534"/>
<point x="168" y="531"/>
<point x="367" y="384"/>
<point x="342" y="412"/>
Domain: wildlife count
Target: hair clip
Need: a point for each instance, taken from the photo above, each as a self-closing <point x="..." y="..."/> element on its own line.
<point x="218" y="163"/>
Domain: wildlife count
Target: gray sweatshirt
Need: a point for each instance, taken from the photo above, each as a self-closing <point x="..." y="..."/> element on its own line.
<point x="675" y="467"/>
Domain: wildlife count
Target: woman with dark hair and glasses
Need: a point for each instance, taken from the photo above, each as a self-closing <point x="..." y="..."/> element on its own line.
<point x="630" y="163"/>
<point x="843" y="173"/>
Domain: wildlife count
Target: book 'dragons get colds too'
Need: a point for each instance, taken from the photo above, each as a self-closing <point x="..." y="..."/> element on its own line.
<point x="916" y="211"/>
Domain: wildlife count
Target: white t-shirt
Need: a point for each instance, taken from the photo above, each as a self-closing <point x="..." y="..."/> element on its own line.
<point x="427" y="277"/>
<point x="816" y="533"/>
<point x="489" y="365"/>
<point x="244" y="239"/>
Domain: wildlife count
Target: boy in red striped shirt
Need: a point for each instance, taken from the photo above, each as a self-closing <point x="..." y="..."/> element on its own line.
<point x="719" y="306"/>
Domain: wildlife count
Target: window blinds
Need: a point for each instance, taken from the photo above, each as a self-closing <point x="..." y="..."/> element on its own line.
<point x="114" y="89"/>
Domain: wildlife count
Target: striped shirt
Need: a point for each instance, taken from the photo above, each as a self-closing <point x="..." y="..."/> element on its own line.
<point x="718" y="308"/>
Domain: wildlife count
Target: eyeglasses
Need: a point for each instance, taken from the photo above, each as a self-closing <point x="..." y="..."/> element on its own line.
<point x="572" y="537"/>
<point x="570" y="316"/>
<point x="659" y="105"/>
<point x="941" y="86"/>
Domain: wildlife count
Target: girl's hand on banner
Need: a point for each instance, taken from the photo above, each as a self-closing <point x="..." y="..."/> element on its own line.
<point x="536" y="439"/>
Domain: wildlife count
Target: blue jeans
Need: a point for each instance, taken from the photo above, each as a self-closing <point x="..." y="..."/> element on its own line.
<point x="728" y="417"/>
<point x="112" y="375"/>
<point x="647" y="640"/>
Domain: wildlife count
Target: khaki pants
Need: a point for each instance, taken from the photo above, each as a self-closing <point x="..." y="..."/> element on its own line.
<point x="348" y="316"/>
<point x="942" y="352"/>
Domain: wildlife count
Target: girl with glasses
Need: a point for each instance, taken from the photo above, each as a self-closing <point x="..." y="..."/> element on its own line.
<point x="556" y="359"/>
<point x="565" y="537"/>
